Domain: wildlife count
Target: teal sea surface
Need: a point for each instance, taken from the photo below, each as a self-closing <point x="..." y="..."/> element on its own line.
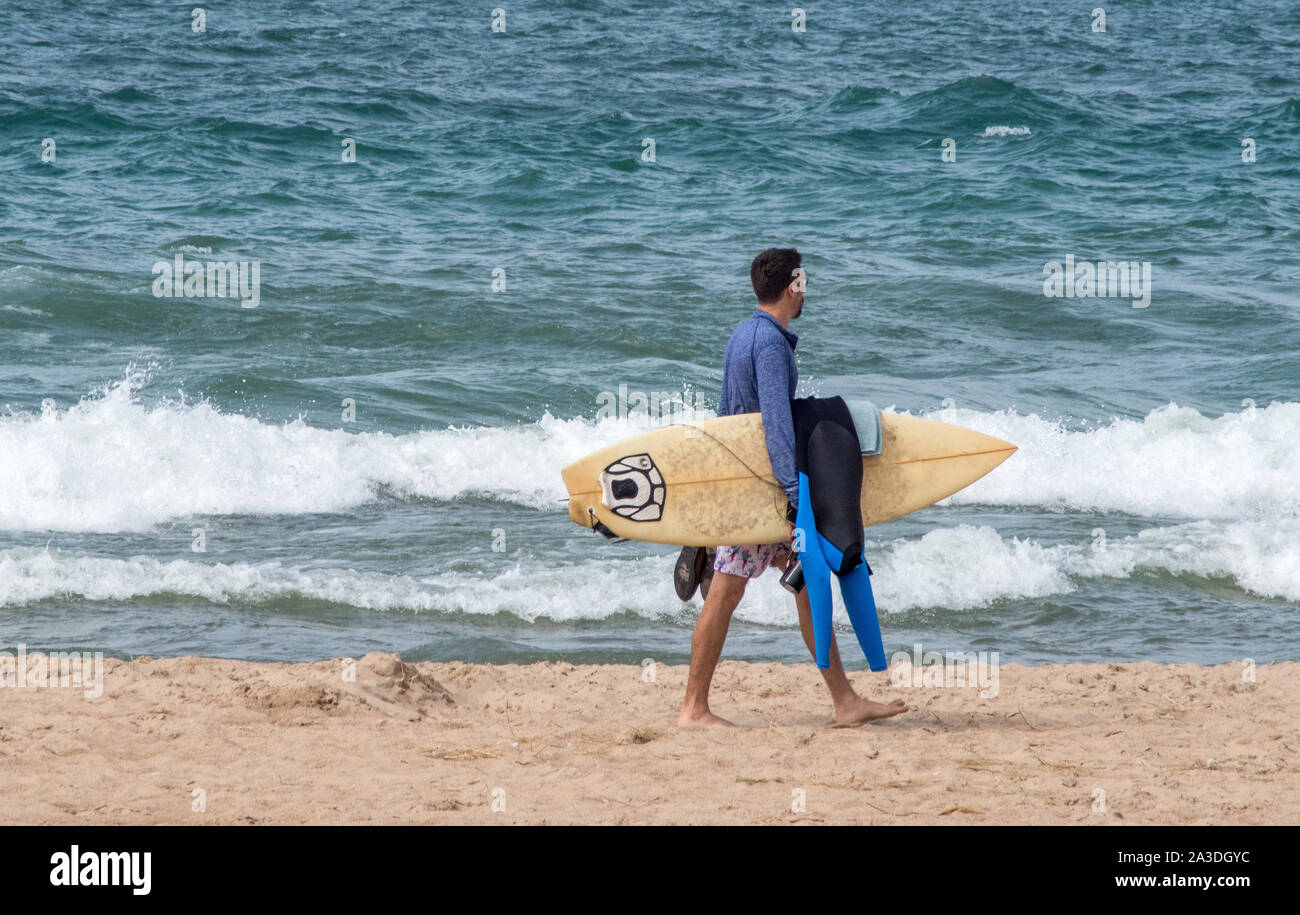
<point x="483" y="246"/>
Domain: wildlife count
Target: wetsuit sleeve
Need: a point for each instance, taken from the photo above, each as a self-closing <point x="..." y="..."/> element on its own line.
<point x="772" y="367"/>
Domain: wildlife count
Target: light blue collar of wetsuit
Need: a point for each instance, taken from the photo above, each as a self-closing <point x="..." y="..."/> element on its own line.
<point x="792" y="338"/>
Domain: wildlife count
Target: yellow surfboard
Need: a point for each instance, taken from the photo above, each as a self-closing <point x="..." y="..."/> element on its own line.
<point x="710" y="482"/>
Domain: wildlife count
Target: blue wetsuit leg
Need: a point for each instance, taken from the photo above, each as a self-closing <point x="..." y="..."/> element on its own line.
<point x="819" y="557"/>
<point x="860" y="603"/>
<point x="816" y="576"/>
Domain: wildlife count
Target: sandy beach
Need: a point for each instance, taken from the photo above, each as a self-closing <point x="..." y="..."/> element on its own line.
<point x="381" y="741"/>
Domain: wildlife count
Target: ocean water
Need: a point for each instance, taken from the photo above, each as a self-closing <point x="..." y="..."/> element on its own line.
<point x="369" y="458"/>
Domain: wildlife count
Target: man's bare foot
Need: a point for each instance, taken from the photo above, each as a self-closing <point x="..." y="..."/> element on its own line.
<point x="688" y="719"/>
<point x="858" y="710"/>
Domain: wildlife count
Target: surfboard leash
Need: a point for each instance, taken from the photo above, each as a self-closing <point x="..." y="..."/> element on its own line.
<point x="738" y="458"/>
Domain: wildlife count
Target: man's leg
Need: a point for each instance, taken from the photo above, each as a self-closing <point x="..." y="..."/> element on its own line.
<point x="850" y="708"/>
<point x="706" y="647"/>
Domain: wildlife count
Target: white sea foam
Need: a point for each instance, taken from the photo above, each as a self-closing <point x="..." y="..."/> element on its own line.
<point x="960" y="568"/>
<point x="113" y="463"/>
<point x="1000" y="130"/>
<point x="967" y="567"/>
<point x="589" y="590"/>
<point x="1173" y="463"/>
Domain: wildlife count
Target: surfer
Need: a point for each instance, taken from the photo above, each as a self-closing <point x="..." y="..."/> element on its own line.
<point x="759" y="375"/>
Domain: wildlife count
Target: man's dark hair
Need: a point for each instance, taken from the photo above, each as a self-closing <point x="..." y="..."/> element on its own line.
<point x="771" y="273"/>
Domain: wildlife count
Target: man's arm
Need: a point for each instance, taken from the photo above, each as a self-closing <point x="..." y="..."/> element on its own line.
<point x="773" y="371"/>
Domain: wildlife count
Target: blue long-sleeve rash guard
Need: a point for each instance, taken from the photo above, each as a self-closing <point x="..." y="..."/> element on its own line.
<point x="759" y="375"/>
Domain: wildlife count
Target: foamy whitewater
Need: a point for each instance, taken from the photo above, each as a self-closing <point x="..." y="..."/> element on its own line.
<point x="112" y="464"/>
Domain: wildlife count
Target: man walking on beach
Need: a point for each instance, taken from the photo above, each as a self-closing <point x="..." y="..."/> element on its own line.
<point x="759" y="375"/>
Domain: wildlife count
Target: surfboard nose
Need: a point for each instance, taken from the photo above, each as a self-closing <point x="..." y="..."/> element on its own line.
<point x="985" y="452"/>
<point x="968" y="442"/>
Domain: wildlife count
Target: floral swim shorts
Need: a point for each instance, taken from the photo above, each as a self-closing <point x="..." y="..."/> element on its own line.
<point x="751" y="560"/>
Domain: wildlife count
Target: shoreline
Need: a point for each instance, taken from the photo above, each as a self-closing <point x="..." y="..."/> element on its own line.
<point x="381" y="741"/>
